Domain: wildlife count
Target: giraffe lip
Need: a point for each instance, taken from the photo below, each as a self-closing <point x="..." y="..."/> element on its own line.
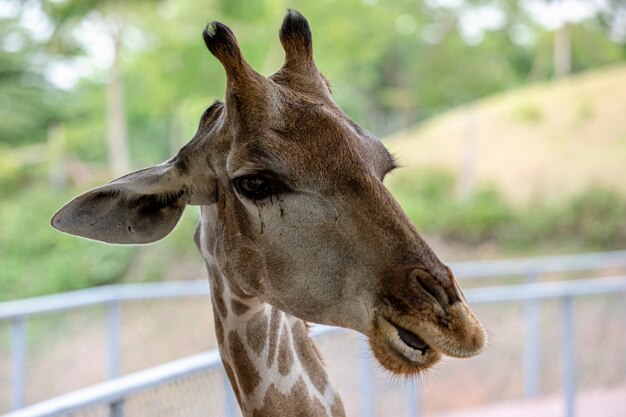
<point x="411" y="339"/>
<point x="405" y="342"/>
<point x="400" y="350"/>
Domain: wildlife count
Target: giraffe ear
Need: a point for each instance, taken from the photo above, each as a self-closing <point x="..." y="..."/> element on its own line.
<point x="141" y="207"/>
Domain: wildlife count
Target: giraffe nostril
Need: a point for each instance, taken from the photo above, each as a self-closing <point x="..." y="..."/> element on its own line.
<point x="431" y="286"/>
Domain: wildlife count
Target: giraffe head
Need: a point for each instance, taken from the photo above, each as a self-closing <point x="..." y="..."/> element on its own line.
<point x="294" y="211"/>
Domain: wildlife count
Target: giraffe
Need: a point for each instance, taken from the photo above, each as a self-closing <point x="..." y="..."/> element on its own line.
<point x="295" y="226"/>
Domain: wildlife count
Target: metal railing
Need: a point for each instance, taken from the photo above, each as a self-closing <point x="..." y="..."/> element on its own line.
<point x="17" y="312"/>
<point x="533" y="267"/>
<point x="113" y="393"/>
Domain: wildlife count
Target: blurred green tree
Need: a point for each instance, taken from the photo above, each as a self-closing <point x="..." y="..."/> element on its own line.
<point x="112" y="16"/>
<point x="28" y="102"/>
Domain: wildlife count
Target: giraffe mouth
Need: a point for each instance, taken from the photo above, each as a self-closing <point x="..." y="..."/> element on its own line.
<point x="401" y="350"/>
<point x="411" y="339"/>
<point x="404" y="342"/>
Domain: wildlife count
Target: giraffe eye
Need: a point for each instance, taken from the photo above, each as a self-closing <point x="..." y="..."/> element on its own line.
<point x="260" y="185"/>
<point x="255" y="187"/>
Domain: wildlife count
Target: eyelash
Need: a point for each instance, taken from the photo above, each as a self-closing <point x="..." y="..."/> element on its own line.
<point x="258" y="187"/>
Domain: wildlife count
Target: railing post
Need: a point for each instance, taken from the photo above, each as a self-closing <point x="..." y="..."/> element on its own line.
<point x="230" y="402"/>
<point x="116" y="409"/>
<point x="531" y="343"/>
<point x="367" y="386"/>
<point x="18" y="358"/>
<point x="569" y="361"/>
<point x="413" y="399"/>
<point x="113" y="339"/>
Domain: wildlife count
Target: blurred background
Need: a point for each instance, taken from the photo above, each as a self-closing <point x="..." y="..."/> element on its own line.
<point x="508" y="116"/>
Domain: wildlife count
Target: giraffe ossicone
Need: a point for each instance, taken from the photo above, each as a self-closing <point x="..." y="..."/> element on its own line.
<point x="295" y="225"/>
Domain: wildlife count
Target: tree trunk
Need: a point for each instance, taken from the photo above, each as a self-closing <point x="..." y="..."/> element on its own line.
<point x="540" y="67"/>
<point x="562" y="51"/>
<point x="117" y="140"/>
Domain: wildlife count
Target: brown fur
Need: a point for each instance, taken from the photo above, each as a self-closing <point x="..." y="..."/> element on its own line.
<point x="256" y="331"/>
<point x="308" y="356"/>
<point x="248" y="376"/>
<point x="285" y="352"/>
<point x="238" y="307"/>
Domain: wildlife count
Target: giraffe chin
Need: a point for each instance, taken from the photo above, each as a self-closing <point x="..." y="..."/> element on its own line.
<point x="401" y="351"/>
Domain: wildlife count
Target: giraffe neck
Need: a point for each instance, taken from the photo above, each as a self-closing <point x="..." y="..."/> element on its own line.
<point x="272" y="364"/>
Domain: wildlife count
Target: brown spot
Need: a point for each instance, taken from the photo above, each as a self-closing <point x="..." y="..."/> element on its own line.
<point x="216" y="279"/>
<point x="239" y="292"/>
<point x="275" y="320"/>
<point x="314" y="345"/>
<point x="285" y="354"/>
<point x="217" y="293"/>
<point x="337" y="409"/>
<point x="238" y="307"/>
<point x="308" y="357"/>
<point x="296" y="403"/>
<point x="233" y="381"/>
<point x="247" y="375"/>
<point x="256" y="331"/>
<point x="219" y="328"/>
<point x="246" y="265"/>
<point x="221" y="306"/>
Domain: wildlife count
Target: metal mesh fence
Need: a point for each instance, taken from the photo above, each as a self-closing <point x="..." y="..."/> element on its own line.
<point x="200" y="395"/>
<point x="98" y="411"/>
<point x="497" y="374"/>
<point x="67" y="351"/>
<point x="64" y="352"/>
<point x="159" y="331"/>
<point x="600" y="341"/>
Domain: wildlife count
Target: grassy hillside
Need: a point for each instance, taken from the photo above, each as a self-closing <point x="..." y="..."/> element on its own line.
<point x="540" y="142"/>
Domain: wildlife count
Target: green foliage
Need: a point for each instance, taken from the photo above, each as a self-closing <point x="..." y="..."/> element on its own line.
<point x="28" y="104"/>
<point x="37" y="259"/>
<point x="596" y="216"/>
<point x="590" y="220"/>
<point x="484" y="216"/>
<point x="430" y="201"/>
<point x="377" y="54"/>
<point x="591" y="47"/>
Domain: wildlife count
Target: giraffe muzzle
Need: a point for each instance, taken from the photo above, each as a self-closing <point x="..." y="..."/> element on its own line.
<point x="422" y="317"/>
